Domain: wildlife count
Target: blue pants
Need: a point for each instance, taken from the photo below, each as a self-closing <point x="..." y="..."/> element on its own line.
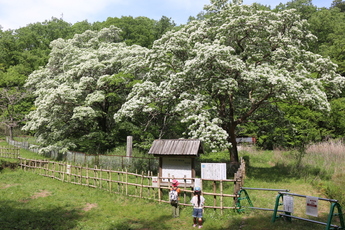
<point x="197" y="212"/>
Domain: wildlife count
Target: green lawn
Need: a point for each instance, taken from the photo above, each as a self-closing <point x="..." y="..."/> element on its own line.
<point x="30" y="201"/>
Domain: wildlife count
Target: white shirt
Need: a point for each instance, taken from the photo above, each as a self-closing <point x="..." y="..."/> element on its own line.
<point x="194" y="201"/>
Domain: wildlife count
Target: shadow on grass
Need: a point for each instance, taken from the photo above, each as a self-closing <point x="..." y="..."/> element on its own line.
<point x="14" y="216"/>
<point x="162" y="222"/>
<point x="264" y="222"/>
<point x="273" y="174"/>
<point x="282" y="172"/>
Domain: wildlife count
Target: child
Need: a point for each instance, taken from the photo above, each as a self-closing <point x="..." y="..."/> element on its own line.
<point x="198" y="202"/>
<point x="175" y="207"/>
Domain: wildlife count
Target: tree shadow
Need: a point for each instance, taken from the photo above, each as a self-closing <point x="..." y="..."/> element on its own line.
<point x="264" y="222"/>
<point x="273" y="174"/>
<point x="281" y="172"/>
<point x="161" y="222"/>
<point x="14" y="216"/>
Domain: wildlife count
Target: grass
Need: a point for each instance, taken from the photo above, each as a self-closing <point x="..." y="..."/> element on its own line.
<point x="30" y="201"/>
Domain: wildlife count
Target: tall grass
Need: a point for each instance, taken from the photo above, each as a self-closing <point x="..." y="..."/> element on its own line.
<point x="329" y="155"/>
<point x="322" y="165"/>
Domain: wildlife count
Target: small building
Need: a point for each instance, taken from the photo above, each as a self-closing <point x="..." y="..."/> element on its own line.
<point x="176" y="157"/>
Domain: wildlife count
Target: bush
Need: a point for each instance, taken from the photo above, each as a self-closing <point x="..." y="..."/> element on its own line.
<point x="8" y="164"/>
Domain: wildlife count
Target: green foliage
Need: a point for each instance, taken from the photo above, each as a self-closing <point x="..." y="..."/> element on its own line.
<point x="27" y="49"/>
<point x="303" y="7"/>
<point x="334" y="188"/>
<point x="140" y="30"/>
<point x="336" y="119"/>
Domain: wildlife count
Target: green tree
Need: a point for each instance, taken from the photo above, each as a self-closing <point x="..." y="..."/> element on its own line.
<point x="338" y="4"/>
<point x="214" y="74"/>
<point x="12" y="108"/>
<point x="303" y="7"/>
<point x="336" y="119"/>
<point x="81" y="27"/>
<point x="80" y="89"/>
<point x="162" y="26"/>
<point x="139" y="30"/>
<point x="329" y="27"/>
<point x="288" y="126"/>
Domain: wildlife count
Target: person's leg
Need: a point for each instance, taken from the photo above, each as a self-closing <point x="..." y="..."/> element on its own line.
<point x="194" y="217"/>
<point x="200" y="218"/>
<point x="177" y="210"/>
<point x="174" y="210"/>
<point x="200" y="222"/>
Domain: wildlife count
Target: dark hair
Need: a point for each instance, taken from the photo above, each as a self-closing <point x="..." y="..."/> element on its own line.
<point x="198" y="193"/>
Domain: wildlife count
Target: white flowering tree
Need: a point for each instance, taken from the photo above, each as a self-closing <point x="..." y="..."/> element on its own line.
<point x="214" y="74"/>
<point x="80" y="89"/>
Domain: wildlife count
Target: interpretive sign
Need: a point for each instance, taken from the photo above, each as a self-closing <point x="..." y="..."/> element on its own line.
<point x="177" y="168"/>
<point x="213" y="171"/>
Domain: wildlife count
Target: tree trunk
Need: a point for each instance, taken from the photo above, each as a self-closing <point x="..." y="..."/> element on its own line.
<point x="10" y="130"/>
<point x="234" y="161"/>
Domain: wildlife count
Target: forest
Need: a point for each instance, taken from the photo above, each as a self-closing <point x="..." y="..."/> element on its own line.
<point x="232" y="71"/>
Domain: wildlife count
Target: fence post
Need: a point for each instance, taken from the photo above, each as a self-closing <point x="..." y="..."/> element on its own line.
<point x="184" y="189"/>
<point x="94" y="176"/>
<point x="100" y="177"/>
<point x="159" y="188"/>
<point x="129" y="146"/>
<point x="81" y="175"/>
<point x="214" y="196"/>
<point x="141" y="184"/>
<point x="221" y="196"/>
<point x="109" y="179"/>
<point x="126" y="182"/>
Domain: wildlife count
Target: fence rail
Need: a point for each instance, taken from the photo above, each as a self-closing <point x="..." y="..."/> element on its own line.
<point x="288" y="213"/>
<point x="137" y="184"/>
<point x="105" y="161"/>
<point x="9" y="152"/>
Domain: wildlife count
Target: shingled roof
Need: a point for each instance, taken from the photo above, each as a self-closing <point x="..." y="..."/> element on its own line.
<point x="176" y="147"/>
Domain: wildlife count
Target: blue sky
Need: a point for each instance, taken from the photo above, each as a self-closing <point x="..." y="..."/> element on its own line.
<point x="18" y="13"/>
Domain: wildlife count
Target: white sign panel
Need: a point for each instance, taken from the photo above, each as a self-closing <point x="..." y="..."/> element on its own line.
<point x="213" y="171"/>
<point x="155" y="182"/>
<point x="312" y="203"/>
<point x="68" y="169"/>
<point x="288" y="203"/>
<point x="177" y="168"/>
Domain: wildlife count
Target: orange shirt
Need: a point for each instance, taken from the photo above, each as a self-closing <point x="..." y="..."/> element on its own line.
<point x="178" y="190"/>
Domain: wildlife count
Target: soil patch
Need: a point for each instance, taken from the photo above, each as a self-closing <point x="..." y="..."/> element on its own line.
<point x="89" y="206"/>
<point x="7" y="186"/>
<point x="42" y="193"/>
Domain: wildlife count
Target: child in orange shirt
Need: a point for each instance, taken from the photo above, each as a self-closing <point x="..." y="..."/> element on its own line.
<point x="175" y="206"/>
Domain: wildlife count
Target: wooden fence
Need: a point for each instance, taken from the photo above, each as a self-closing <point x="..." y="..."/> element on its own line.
<point x="9" y="152"/>
<point x="105" y="161"/>
<point x="219" y="194"/>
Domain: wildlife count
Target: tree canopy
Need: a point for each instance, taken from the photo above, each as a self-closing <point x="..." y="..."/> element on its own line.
<point x="79" y="90"/>
<point x="215" y="73"/>
<point x="233" y="70"/>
